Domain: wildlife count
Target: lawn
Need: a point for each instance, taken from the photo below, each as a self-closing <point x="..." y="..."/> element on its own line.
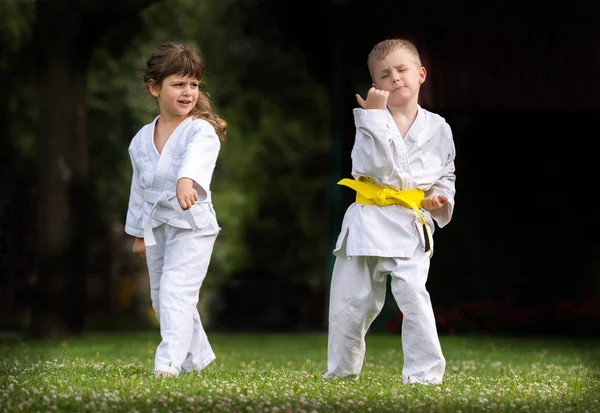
<point x="282" y="373"/>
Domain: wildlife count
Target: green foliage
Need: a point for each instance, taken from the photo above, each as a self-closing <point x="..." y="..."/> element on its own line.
<point x="270" y="185"/>
<point x="271" y="177"/>
<point x="18" y="172"/>
<point x="283" y="373"/>
<point x="16" y="24"/>
<point x="16" y="69"/>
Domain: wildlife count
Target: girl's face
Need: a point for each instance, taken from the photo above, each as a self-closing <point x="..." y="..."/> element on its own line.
<point x="177" y="96"/>
<point x="399" y="74"/>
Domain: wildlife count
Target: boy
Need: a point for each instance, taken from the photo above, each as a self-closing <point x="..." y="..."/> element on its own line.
<point x="403" y="170"/>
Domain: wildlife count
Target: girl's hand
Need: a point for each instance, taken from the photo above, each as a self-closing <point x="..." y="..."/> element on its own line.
<point x="376" y="99"/>
<point x="433" y="202"/>
<point x="186" y="194"/>
<point x="139" y="247"/>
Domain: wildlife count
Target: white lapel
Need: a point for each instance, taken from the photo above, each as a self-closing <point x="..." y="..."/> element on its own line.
<point x="165" y="159"/>
<point x="412" y="136"/>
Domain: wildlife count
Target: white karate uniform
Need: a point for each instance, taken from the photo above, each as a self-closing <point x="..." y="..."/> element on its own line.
<point x="178" y="243"/>
<point x="375" y="241"/>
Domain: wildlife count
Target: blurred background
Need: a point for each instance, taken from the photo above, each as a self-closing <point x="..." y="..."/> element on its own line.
<point x="518" y="82"/>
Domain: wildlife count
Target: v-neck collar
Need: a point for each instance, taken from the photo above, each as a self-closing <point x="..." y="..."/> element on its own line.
<point x="415" y="129"/>
<point x="152" y="146"/>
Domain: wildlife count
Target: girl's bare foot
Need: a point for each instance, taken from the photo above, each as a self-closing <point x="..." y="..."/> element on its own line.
<point x="162" y="373"/>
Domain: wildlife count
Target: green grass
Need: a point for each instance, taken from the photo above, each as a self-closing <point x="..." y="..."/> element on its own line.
<point x="282" y="373"/>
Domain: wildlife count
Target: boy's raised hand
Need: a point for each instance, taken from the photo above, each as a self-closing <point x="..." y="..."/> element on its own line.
<point x="376" y="99"/>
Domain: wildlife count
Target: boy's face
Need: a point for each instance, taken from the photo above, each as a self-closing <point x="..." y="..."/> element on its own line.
<point x="399" y="74"/>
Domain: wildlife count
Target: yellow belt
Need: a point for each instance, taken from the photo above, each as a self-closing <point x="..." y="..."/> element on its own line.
<point x="370" y="194"/>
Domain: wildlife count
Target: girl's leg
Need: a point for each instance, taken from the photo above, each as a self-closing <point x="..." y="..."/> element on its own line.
<point x="423" y="358"/>
<point x="357" y="295"/>
<point x="154" y="259"/>
<point x="200" y="353"/>
<point x="187" y="256"/>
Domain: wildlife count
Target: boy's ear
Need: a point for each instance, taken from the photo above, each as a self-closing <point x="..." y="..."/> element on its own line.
<point x="422" y="75"/>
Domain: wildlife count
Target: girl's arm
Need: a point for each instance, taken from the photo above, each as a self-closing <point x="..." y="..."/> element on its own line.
<point x="200" y="158"/>
<point x="134" y="221"/>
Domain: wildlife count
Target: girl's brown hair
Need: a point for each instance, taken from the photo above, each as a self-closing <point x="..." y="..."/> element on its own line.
<point x="180" y="59"/>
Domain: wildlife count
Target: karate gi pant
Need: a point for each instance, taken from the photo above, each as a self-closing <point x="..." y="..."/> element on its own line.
<point x="177" y="265"/>
<point x="357" y="295"/>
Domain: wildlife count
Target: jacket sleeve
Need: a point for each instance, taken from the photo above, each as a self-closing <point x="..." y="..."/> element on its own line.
<point x="372" y="153"/>
<point x="134" y="220"/>
<point x="200" y="158"/>
<point x="445" y="185"/>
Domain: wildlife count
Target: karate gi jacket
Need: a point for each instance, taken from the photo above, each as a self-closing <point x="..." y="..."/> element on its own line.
<point x="423" y="159"/>
<point x="191" y="152"/>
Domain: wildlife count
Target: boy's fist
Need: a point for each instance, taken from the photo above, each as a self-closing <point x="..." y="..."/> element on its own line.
<point x="434" y="202"/>
<point x="376" y="99"/>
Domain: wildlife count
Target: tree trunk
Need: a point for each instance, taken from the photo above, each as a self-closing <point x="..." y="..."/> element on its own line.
<point x="63" y="175"/>
<point x="66" y="32"/>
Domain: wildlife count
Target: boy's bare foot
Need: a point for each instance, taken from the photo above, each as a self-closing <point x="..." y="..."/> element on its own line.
<point x="162" y="373"/>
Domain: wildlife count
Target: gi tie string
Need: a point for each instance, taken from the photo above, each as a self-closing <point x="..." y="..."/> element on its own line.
<point x="167" y="199"/>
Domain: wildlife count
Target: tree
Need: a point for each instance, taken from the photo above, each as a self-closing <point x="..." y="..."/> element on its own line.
<point x="66" y="33"/>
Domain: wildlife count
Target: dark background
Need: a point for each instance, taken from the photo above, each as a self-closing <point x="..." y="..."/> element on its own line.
<point x="518" y="82"/>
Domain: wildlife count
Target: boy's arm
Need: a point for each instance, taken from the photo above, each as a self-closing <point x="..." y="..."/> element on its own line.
<point x="372" y="152"/>
<point x="445" y="185"/>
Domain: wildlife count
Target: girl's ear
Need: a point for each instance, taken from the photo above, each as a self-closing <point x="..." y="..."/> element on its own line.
<point x="154" y="89"/>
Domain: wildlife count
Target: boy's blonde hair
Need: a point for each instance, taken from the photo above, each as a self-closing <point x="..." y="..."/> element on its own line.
<point x="385" y="47"/>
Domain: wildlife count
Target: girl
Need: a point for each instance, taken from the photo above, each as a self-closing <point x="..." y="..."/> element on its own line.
<point x="170" y="210"/>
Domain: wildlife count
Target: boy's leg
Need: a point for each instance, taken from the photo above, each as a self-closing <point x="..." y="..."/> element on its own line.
<point x="356" y="298"/>
<point x="423" y="358"/>
<point x="187" y="257"/>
